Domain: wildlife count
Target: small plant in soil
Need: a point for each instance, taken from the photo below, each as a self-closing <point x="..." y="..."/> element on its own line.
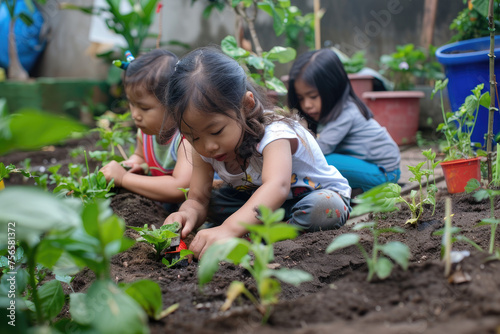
<point x="115" y="133"/>
<point x="479" y="195"/>
<point x="421" y="197"/>
<point x="377" y="200"/>
<point x="161" y="239"/>
<point x="255" y="255"/>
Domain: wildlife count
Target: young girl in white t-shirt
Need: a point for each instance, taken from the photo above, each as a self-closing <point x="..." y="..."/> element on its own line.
<point x="263" y="158"/>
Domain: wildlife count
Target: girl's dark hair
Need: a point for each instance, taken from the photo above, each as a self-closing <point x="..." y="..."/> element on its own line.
<point x="151" y="72"/>
<point x="323" y="70"/>
<point x="210" y="81"/>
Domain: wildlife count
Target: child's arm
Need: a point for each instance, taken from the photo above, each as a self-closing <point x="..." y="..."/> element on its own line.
<point x="276" y="173"/>
<point x="163" y="188"/>
<point x="193" y="211"/>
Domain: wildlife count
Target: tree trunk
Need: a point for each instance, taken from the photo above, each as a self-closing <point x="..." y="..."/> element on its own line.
<point x="16" y="70"/>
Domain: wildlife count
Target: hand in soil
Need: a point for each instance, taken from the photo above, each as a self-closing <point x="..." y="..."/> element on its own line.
<point x="205" y="238"/>
<point x="114" y="170"/>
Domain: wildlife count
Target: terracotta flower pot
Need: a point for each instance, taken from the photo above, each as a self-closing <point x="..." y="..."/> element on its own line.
<point x="361" y="83"/>
<point x="397" y="111"/>
<point x="458" y="172"/>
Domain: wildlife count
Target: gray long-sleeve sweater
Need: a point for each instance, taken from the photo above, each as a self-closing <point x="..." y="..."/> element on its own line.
<point x="351" y="134"/>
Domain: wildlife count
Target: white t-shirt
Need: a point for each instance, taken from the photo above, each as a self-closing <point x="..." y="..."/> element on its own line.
<point x="310" y="170"/>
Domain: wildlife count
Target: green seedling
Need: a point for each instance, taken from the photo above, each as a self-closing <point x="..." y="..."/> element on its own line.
<point x="255" y="256"/>
<point x="185" y="191"/>
<point x="420" y="197"/>
<point x="377" y="200"/>
<point x="94" y="185"/>
<point x="6" y="171"/>
<point x="115" y="134"/>
<point x="160" y="238"/>
<point x="479" y="195"/>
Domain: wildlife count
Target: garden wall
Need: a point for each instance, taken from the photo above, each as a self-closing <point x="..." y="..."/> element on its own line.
<point x="376" y="26"/>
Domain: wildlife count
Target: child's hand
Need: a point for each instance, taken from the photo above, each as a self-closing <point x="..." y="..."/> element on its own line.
<point x="184" y="219"/>
<point x="205" y="238"/>
<point x="135" y="164"/>
<point x="114" y="170"/>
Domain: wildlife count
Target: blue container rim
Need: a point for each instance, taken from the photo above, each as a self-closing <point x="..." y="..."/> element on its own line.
<point x="475" y="50"/>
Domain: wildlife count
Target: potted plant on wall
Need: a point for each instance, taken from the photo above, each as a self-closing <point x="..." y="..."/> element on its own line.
<point x="461" y="162"/>
<point x="466" y="61"/>
<point x="398" y="110"/>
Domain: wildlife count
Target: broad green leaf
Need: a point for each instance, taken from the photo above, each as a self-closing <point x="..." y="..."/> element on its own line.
<point x="281" y="54"/>
<point x="78" y="308"/>
<point x="51" y="296"/>
<point x="113" y="311"/>
<point x="343" y="241"/>
<point x="292" y="276"/>
<point x="277" y="85"/>
<point x="360" y="226"/>
<point x="397" y="251"/>
<point x="217" y="252"/>
<point x="230" y="47"/>
<point x="383" y="267"/>
<point x="147" y="294"/>
<point x="382" y="198"/>
<point x="31" y="129"/>
<point x="32" y="211"/>
<point x="21" y="278"/>
<point x="48" y="254"/>
<point x="489" y="221"/>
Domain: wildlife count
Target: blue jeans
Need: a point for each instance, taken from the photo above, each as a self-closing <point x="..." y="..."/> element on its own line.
<point x="361" y="174"/>
<point x="316" y="210"/>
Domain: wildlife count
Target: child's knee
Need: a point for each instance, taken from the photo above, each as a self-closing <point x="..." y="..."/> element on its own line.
<point x="325" y="210"/>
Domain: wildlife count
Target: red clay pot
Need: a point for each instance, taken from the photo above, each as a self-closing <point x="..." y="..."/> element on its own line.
<point x="458" y="172"/>
<point x="361" y="83"/>
<point x="397" y="111"/>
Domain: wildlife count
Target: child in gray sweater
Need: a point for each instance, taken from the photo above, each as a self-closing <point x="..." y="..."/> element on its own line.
<point x="351" y="140"/>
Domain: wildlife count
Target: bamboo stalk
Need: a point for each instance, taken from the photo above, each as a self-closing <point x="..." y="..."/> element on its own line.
<point x="491" y="55"/>
<point x="447" y="237"/>
<point x="317" y="30"/>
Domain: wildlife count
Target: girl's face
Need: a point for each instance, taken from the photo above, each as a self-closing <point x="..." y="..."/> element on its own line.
<point x="212" y="135"/>
<point x="146" y="111"/>
<point x="309" y="99"/>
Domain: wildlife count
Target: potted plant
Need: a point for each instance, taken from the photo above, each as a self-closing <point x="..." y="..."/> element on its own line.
<point x="466" y="61"/>
<point x="461" y="162"/>
<point x="398" y="110"/>
<point x="353" y="65"/>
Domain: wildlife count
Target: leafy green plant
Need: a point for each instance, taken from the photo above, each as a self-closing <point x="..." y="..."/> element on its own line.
<point x="458" y="126"/>
<point x="87" y="188"/>
<point x="472" y="21"/>
<point x="159" y="238"/>
<point x="260" y="65"/>
<point x="240" y="252"/>
<point x="355" y="63"/>
<point x="420" y="197"/>
<point x="115" y="134"/>
<point x="486" y="193"/>
<point x="32" y="129"/>
<point x="5" y="171"/>
<point x="377" y="200"/>
<point x="408" y="63"/>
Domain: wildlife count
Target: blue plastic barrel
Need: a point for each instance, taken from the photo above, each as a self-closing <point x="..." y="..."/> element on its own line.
<point x="466" y="65"/>
<point x="29" y="42"/>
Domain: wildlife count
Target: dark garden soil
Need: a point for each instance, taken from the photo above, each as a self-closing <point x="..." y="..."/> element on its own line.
<point x="339" y="299"/>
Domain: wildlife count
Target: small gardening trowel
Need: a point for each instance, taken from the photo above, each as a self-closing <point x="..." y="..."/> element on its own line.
<point x="172" y="253"/>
